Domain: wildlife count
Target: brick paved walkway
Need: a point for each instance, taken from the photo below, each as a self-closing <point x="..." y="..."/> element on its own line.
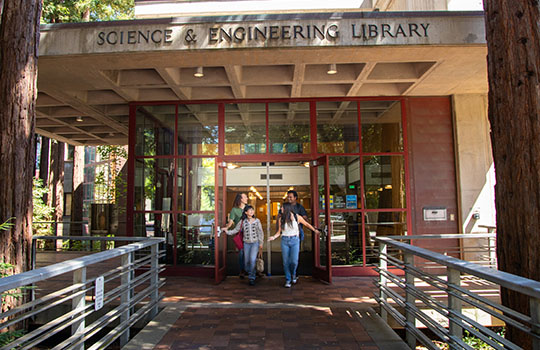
<point x="231" y="315"/>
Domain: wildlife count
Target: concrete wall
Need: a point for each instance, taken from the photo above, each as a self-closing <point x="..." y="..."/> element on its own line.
<point x="417" y="5"/>
<point x="475" y="172"/>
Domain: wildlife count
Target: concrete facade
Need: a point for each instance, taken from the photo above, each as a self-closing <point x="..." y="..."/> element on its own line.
<point x="475" y="171"/>
<point x="94" y="71"/>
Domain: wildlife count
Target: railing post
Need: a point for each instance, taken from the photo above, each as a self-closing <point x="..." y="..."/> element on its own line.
<point x="78" y="303"/>
<point x="33" y="262"/>
<point x="383" y="265"/>
<point x="154" y="280"/>
<point x="125" y="298"/>
<point x="535" y="320"/>
<point x="454" y="304"/>
<point x="410" y="300"/>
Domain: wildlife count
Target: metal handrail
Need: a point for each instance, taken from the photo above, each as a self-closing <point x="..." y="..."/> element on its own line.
<point x="406" y="300"/>
<point x="130" y="298"/>
<point x="504" y="279"/>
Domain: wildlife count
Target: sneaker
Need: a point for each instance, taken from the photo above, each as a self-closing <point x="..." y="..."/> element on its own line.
<point x="295" y="280"/>
<point x="287" y="284"/>
<point x="251" y="282"/>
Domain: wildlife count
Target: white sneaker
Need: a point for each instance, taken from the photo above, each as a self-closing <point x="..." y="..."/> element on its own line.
<point x="295" y="280"/>
<point x="287" y="284"/>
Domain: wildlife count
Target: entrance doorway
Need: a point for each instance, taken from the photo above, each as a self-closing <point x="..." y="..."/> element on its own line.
<point x="266" y="185"/>
<point x="180" y="186"/>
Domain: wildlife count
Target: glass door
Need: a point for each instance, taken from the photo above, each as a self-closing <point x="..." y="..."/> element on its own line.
<point x="322" y="251"/>
<point x="220" y="239"/>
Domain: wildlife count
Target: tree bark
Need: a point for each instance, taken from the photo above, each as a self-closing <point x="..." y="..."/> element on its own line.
<point x="76" y="228"/>
<point x="19" y="39"/>
<point x="44" y="163"/>
<point x="56" y="184"/>
<point x="514" y="109"/>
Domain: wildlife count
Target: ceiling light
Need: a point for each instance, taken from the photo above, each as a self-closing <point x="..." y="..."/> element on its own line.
<point x="79" y="119"/>
<point x="306" y="164"/>
<point x="332" y="69"/>
<point x="232" y="166"/>
<point x="199" y="72"/>
<point x="254" y="190"/>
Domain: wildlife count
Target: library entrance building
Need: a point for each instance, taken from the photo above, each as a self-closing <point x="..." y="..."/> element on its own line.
<point x="377" y="120"/>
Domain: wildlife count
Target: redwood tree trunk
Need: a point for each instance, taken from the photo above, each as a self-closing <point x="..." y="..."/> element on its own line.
<point x="76" y="227"/>
<point x="19" y="39"/>
<point x="56" y="184"/>
<point x="514" y="113"/>
<point x="44" y="160"/>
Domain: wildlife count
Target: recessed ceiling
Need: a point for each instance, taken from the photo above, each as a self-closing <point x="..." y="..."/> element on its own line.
<point x="98" y="88"/>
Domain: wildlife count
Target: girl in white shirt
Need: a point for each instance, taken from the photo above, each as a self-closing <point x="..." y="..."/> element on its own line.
<point x="290" y="241"/>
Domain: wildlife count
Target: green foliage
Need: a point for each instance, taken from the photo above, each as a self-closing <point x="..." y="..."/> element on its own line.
<point x="42" y="212"/>
<point x="470" y="340"/>
<point x="111" y="151"/>
<point x="7" y="270"/>
<point x="109" y="184"/>
<point x="58" y="11"/>
<point x="477" y="343"/>
<point x="5" y="226"/>
<point x="8" y="337"/>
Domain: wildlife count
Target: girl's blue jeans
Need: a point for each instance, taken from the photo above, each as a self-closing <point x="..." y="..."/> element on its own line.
<point x="290" y="248"/>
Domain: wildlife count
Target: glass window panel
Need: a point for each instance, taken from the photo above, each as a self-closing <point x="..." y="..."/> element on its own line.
<point x="288" y="127"/>
<point x="245" y="128"/>
<point x="195" y="239"/>
<point x="347" y="239"/>
<point x="381" y="126"/>
<point x="89" y="155"/>
<point x="198" y="129"/>
<point x="344" y="182"/>
<point x="384" y="182"/>
<point x="380" y="224"/>
<point x="156" y="225"/>
<point x="154" y="184"/>
<point x="155" y="130"/>
<point x="337" y="127"/>
<point x="196" y="184"/>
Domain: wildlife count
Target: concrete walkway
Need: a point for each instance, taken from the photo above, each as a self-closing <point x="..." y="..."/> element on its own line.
<point x="198" y="314"/>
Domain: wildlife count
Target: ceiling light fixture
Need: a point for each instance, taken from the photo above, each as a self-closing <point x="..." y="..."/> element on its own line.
<point x="332" y="69"/>
<point x="79" y="119"/>
<point x="199" y="72"/>
<point x="254" y="190"/>
<point x="232" y="166"/>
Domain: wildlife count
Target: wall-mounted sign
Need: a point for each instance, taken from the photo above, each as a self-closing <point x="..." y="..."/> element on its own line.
<point x="262" y="32"/>
<point x="435" y="214"/>
<point x="352" y="202"/>
<point x="98" y="292"/>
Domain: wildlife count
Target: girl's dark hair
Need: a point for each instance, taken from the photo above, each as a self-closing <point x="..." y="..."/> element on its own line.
<point x="286" y="211"/>
<point x="246" y="208"/>
<point x="237" y="200"/>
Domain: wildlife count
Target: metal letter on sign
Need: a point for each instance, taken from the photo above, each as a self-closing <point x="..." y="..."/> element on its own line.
<point x="98" y="296"/>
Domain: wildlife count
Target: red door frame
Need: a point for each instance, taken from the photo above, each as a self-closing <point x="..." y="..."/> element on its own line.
<point x="322" y="272"/>
<point x="221" y="157"/>
<point x="220" y="240"/>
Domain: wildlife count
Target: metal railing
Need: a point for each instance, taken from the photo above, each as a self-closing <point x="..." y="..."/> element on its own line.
<point x="420" y="288"/>
<point x="86" y="302"/>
